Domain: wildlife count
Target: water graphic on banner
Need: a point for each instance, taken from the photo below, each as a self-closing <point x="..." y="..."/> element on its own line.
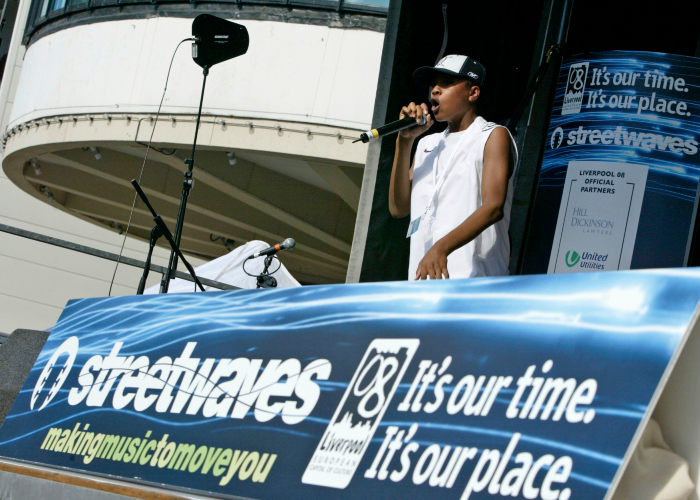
<point x="634" y="108"/>
<point x="525" y="387"/>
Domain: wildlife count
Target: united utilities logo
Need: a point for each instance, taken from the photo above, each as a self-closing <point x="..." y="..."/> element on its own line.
<point x="572" y="258"/>
<point x="586" y="260"/>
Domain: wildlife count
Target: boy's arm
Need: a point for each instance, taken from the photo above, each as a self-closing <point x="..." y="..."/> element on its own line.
<point x="401" y="171"/>
<point x="498" y="166"/>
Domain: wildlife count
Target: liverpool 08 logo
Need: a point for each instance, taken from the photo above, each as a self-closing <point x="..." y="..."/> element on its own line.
<point x="359" y="413"/>
<point x="575" y="87"/>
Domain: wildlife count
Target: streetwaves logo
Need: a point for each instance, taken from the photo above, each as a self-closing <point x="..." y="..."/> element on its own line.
<point x="557" y="138"/>
<point x="572" y="258"/>
<point x="620" y="136"/>
<point x="215" y="387"/>
<point x="359" y="413"/>
<point x="69" y="347"/>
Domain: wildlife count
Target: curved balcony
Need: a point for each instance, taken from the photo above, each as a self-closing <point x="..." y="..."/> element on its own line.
<point x="274" y="156"/>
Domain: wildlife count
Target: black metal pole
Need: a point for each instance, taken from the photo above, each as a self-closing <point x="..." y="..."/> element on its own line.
<point x="563" y="33"/>
<point x="554" y="51"/>
<point x="156" y="233"/>
<point x="186" y="187"/>
<point x="101" y="254"/>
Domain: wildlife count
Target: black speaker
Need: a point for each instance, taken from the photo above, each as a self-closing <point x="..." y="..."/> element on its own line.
<point x="218" y="40"/>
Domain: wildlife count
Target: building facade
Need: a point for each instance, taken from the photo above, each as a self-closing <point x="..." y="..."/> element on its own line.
<point x="275" y="159"/>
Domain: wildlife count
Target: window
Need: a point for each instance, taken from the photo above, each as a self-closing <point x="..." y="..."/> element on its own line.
<point x="374" y="3"/>
<point x="44" y="11"/>
<point x="44" y="8"/>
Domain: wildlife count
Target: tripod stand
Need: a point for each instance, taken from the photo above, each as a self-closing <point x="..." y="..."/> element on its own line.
<point x="156" y="233"/>
<point x="187" y="184"/>
<point x="215" y="40"/>
<point x="160" y="229"/>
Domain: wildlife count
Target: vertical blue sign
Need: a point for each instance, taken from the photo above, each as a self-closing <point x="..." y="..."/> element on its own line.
<point x="619" y="178"/>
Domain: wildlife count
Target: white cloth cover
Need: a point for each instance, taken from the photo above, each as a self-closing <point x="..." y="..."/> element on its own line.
<point x="458" y="198"/>
<point x="654" y="471"/>
<point x="229" y="269"/>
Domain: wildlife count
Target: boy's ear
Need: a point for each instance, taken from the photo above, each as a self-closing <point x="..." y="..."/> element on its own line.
<point x="474" y="93"/>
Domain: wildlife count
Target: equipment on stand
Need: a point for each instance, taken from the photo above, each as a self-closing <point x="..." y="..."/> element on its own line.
<point x="160" y="224"/>
<point x="287" y="244"/>
<point x="216" y="40"/>
<point x="265" y="278"/>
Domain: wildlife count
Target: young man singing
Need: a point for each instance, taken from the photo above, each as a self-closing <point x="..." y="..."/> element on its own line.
<point x="459" y="189"/>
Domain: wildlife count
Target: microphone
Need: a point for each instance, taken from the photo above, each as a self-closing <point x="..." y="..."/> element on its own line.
<point x="287" y="244"/>
<point x="389" y="128"/>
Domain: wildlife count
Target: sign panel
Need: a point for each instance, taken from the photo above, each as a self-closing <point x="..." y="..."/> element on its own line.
<point x="528" y="387"/>
<point x="361" y="409"/>
<point x="611" y="108"/>
<point x="598" y="217"/>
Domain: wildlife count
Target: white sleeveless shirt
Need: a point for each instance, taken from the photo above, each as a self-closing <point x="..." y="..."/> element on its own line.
<point x="460" y="156"/>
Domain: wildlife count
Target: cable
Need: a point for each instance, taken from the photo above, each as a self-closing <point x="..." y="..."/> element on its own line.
<point x="143" y="165"/>
<point x="269" y="273"/>
<point x="161" y="151"/>
<point x="444" y="34"/>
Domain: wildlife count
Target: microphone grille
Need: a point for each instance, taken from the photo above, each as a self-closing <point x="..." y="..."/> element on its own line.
<point x="289" y="243"/>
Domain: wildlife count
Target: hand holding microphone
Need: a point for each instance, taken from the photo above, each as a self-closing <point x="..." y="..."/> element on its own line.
<point x="414" y="120"/>
<point x="423" y="120"/>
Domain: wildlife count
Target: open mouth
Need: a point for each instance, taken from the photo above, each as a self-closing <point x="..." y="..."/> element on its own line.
<point x="434" y="105"/>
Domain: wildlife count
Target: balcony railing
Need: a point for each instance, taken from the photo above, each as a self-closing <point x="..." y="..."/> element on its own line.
<point x="45" y="11"/>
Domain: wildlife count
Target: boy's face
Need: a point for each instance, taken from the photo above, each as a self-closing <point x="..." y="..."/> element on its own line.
<point x="451" y="98"/>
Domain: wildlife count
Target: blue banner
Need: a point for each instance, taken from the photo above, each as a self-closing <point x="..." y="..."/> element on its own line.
<point x="532" y="387"/>
<point x="617" y="113"/>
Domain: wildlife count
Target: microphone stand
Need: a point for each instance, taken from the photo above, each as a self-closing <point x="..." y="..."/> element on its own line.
<point x="187" y="184"/>
<point x="168" y="236"/>
<point x="156" y="233"/>
<point x="264" y="279"/>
